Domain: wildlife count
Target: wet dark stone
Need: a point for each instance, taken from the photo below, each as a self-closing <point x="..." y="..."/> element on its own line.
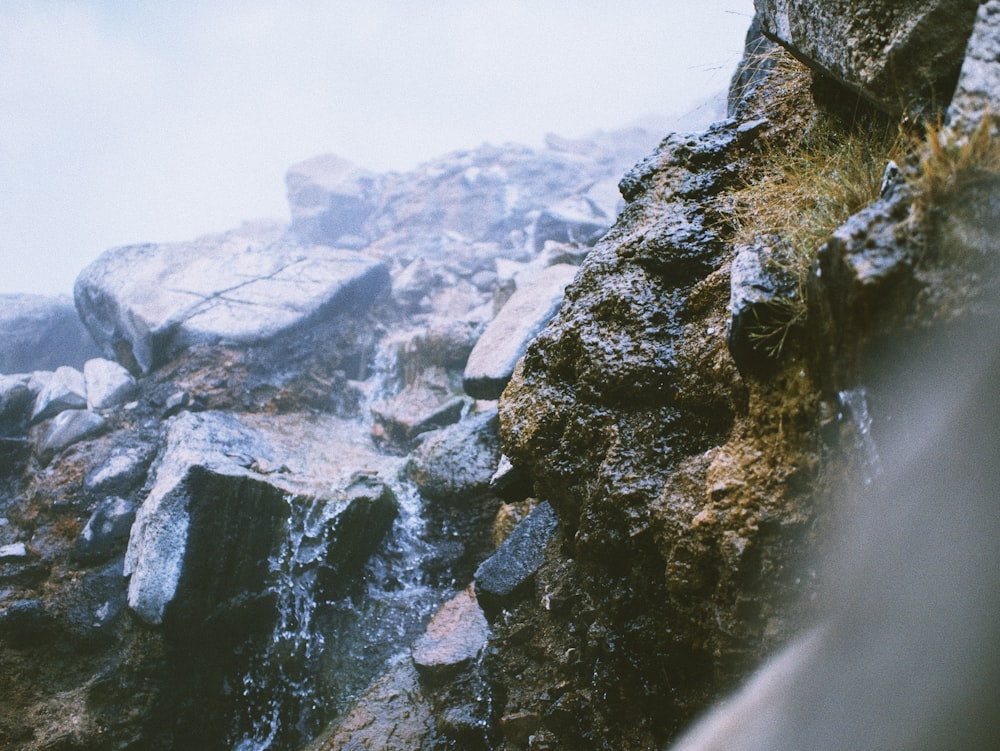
<point x="763" y="295"/>
<point x="500" y="576"/>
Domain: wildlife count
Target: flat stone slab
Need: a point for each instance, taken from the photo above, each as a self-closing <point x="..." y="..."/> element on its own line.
<point x="491" y="362"/>
<point x="454" y="637"/>
<point x="144" y="304"/>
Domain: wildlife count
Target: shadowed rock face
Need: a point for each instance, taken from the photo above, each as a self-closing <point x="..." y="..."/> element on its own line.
<point x="904" y="57"/>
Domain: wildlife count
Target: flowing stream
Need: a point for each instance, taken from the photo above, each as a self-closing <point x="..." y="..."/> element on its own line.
<point x="324" y="652"/>
<point x="326" y="648"/>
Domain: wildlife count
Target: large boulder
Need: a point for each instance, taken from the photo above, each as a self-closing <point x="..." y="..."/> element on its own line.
<point x="903" y="57"/>
<point x="39" y="332"/>
<point x="145" y="304"/>
<point x="217" y="511"/>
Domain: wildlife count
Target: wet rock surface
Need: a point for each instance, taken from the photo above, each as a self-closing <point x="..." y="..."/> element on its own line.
<point x="891" y="53"/>
<point x="247" y="287"/>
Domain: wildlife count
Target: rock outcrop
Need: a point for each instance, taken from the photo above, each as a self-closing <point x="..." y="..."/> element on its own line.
<point x="902" y="57"/>
<point x="224" y="529"/>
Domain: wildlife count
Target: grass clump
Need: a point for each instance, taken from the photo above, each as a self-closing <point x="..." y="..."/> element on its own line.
<point x="951" y="164"/>
<point x="806" y="184"/>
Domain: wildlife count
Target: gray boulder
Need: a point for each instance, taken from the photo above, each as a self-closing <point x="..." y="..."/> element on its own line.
<point x="901" y="56"/>
<point x="108" y="383"/>
<point x="330" y="200"/>
<point x="145" y="304"/>
<point x="218" y="509"/>
<point x="65" y="390"/>
<point x="458" y="461"/>
<point x="978" y="88"/>
<point x="506" y="339"/>
<point x="67" y="428"/>
<point x="39" y="332"/>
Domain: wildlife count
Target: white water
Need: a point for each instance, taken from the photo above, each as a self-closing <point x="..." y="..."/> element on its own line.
<point x="324" y="652"/>
<point x="854" y="407"/>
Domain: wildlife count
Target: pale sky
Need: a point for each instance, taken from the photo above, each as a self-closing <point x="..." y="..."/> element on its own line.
<point x="126" y="121"/>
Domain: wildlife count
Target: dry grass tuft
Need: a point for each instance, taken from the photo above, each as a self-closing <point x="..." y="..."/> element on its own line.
<point x="950" y="165"/>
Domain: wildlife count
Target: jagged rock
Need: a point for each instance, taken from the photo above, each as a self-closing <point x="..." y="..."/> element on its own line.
<point x="576" y="220"/>
<point x="500" y="577"/>
<point x="458" y="461"/>
<point x="903" y="57"/>
<point x="505" y="340"/>
<point x="762" y="299"/>
<point x="330" y="200"/>
<point x="67" y="428"/>
<point x="864" y="265"/>
<point x="38" y="332"/>
<point x="106" y="532"/>
<point x="145" y="304"/>
<point x="453" y="639"/>
<point x="65" y="390"/>
<point x="978" y="88"/>
<point x="204" y="507"/>
<point x="108" y="384"/>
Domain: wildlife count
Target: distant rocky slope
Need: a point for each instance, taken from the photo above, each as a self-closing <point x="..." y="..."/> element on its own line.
<point x="546" y="449"/>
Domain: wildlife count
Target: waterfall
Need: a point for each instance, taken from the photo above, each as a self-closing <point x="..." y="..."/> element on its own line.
<point x="854" y="407"/>
<point x="327" y="647"/>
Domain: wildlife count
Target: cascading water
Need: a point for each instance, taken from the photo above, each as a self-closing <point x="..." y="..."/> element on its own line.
<point x="854" y="407"/>
<point x="327" y="646"/>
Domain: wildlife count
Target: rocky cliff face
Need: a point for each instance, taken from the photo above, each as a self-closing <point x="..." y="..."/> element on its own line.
<point x="288" y="498"/>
